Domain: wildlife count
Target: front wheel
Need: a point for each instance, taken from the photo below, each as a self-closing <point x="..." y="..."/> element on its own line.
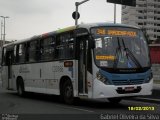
<point x="68" y="92"/>
<point x="114" y="100"/>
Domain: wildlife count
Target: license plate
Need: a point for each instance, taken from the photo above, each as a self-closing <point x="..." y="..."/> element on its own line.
<point x="129" y="88"/>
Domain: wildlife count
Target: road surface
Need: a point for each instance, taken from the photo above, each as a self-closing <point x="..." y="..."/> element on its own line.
<point x="40" y="106"/>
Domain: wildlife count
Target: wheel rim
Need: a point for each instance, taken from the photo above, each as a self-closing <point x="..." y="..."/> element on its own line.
<point x="68" y="92"/>
<point x="20" y="90"/>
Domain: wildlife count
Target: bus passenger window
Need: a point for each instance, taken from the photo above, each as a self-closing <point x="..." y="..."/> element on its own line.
<point x="21" y="53"/>
<point x="47" y="49"/>
<point x="33" y="51"/>
<point x="65" y="46"/>
<point x="69" y="48"/>
<point x="60" y="46"/>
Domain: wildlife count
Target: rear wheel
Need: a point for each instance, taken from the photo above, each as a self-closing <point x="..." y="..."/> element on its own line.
<point x="114" y="100"/>
<point x="20" y="87"/>
<point x="68" y="92"/>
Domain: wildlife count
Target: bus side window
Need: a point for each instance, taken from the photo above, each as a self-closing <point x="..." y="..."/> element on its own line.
<point x="27" y="52"/>
<point x="20" y="53"/>
<point x="15" y="54"/>
<point x="65" y="46"/>
<point x="33" y="51"/>
<point x="47" y="49"/>
<point x="69" y="49"/>
<point x="60" y="46"/>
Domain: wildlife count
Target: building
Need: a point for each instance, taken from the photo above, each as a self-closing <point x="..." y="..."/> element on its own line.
<point x="155" y="60"/>
<point x="155" y="53"/>
<point x="146" y="15"/>
<point x="6" y="42"/>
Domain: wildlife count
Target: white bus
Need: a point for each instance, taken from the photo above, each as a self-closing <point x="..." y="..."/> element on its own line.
<point x="90" y="60"/>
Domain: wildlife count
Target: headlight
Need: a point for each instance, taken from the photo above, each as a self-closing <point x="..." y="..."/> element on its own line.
<point x="149" y="78"/>
<point x="102" y="78"/>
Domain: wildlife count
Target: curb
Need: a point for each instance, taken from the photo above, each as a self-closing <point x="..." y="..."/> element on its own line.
<point x="148" y="100"/>
<point x="154" y="98"/>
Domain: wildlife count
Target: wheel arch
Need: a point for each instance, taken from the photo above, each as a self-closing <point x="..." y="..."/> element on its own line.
<point x="63" y="79"/>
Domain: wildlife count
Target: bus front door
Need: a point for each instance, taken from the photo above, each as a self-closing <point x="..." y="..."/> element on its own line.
<point x="82" y="67"/>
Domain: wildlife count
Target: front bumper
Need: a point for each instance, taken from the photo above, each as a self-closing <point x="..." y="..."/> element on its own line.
<point x="101" y="90"/>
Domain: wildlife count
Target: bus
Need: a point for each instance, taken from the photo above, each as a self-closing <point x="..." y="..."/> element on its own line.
<point x="95" y="61"/>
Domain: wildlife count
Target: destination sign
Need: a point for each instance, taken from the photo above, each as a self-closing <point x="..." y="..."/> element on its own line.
<point x="110" y="57"/>
<point x="114" y="32"/>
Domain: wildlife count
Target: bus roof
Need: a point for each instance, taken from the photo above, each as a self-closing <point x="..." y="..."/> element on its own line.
<point x="105" y="24"/>
<point x="87" y="26"/>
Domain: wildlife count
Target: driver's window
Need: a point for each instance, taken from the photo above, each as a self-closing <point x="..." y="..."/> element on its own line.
<point x="98" y="43"/>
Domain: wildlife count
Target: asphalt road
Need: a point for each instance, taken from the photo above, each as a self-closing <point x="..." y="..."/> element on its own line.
<point x="40" y="106"/>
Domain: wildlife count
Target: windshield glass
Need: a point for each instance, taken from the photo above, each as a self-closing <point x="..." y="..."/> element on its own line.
<point x="118" y="47"/>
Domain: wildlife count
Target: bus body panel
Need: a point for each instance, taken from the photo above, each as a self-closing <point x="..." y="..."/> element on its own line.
<point x="90" y="84"/>
<point x="40" y="77"/>
<point x="8" y="83"/>
<point x="101" y="90"/>
<point x="5" y="77"/>
<point x="109" y="91"/>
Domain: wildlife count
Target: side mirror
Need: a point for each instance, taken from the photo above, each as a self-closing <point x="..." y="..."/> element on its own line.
<point x="146" y="35"/>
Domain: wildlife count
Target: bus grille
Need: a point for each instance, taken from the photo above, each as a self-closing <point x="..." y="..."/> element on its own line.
<point x="128" y="82"/>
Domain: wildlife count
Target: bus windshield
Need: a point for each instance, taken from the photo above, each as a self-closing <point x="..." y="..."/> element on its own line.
<point x="120" y="47"/>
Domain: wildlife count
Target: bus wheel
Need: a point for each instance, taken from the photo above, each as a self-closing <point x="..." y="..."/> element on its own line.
<point x="114" y="100"/>
<point x="20" y="88"/>
<point x="68" y="92"/>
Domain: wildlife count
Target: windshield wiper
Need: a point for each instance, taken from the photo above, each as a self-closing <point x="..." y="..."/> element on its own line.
<point x="131" y="55"/>
<point x="118" y="52"/>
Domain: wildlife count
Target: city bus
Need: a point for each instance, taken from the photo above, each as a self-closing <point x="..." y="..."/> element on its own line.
<point x="95" y="61"/>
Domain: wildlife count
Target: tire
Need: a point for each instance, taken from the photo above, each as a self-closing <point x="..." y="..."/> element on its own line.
<point x="20" y="88"/>
<point x="114" y="100"/>
<point x="67" y="92"/>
